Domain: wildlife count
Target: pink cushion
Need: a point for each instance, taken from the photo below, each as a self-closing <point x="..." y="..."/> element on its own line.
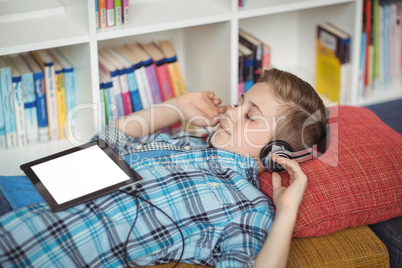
<point x="358" y="181"/>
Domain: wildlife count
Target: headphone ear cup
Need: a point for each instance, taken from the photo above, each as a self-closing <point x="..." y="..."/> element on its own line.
<point x="280" y="148"/>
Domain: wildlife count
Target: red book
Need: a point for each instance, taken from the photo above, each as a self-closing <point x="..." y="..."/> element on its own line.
<point x="165" y="84"/>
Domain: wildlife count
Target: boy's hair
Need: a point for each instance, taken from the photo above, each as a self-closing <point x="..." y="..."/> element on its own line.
<point x="301" y="119"/>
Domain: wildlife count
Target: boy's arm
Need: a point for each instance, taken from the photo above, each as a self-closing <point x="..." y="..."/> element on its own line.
<point x="199" y="108"/>
<point x="275" y="250"/>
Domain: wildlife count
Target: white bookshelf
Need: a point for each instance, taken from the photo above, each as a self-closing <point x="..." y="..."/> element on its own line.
<point x="205" y="36"/>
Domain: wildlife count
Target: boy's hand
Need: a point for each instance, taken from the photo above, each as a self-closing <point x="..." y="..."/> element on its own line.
<point x="201" y="108"/>
<point x="288" y="198"/>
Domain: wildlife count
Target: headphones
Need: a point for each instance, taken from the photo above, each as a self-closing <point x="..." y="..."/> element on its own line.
<point x="283" y="149"/>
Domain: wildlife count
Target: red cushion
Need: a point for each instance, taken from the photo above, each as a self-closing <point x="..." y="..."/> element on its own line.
<point x="358" y="181"/>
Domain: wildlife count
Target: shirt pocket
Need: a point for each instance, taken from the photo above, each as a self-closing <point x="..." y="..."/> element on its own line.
<point x="222" y="184"/>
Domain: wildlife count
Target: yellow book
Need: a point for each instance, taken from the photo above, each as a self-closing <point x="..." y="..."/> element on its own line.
<point x="61" y="100"/>
<point x="173" y="67"/>
<point x="332" y="79"/>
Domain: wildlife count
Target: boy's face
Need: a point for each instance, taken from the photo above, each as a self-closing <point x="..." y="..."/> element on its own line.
<point x="247" y="127"/>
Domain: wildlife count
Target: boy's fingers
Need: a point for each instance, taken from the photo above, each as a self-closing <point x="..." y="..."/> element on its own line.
<point x="222" y="109"/>
<point x="290" y="165"/>
<point x="276" y="181"/>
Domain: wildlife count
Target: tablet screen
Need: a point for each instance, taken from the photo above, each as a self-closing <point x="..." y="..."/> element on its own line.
<point x="79" y="173"/>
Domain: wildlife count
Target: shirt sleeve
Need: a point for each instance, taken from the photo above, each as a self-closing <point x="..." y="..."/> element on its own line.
<point x="243" y="238"/>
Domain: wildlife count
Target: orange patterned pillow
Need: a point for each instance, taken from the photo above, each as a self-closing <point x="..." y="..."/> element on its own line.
<point x="358" y="181"/>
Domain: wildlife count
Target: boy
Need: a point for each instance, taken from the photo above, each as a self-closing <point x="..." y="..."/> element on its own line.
<point x="210" y="190"/>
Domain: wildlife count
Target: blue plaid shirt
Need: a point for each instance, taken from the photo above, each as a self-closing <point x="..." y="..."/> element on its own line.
<point x="211" y="194"/>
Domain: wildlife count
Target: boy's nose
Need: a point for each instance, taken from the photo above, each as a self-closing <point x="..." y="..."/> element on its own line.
<point x="231" y="112"/>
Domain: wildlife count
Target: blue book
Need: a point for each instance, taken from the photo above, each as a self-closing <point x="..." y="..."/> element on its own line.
<point x="40" y="94"/>
<point x="132" y="81"/>
<point x="362" y="93"/>
<point x="102" y="108"/>
<point x="7" y="101"/>
<point x="29" y="99"/>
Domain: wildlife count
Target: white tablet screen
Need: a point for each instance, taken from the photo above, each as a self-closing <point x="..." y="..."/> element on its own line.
<point x="79" y="173"/>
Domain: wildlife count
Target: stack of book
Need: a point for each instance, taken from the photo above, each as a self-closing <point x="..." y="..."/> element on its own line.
<point x="37" y="90"/>
<point x="136" y="76"/>
<point x="254" y="57"/>
<point x="110" y="13"/>
<point x="381" y="47"/>
<point x="333" y="65"/>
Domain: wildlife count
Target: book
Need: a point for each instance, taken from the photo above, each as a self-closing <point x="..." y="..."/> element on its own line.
<point x="122" y="67"/>
<point x="240" y="79"/>
<point x="96" y="14"/>
<point x="261" y="52"/>
<point x="248" y="69"/>
<point x="132" y="81"/>
<point x="333" y="63"/>
<point x="102" y="107"/>
<point x="118" y="18"/>
<point x="70" y="91"/>
<point x="110" y="13"/>
<point x="7" y="103"/>
<point x="149" y="70"/>
<point x="107" y="97"/>
<point x="45" y="61"/>
<point x="111" y="71"/>
<point x="18" y="103"/>
<point x="102" y="13"/>
<point x="61" y="99"/>
<point x="173" y="66"/>
<point x="140" y="75"/>
<point x="3" y="143"/>
<point x="40" y="94"/>
<point x="28" y="98"/>
<point x="126" y="12"/>
<point x="160" y="63"/>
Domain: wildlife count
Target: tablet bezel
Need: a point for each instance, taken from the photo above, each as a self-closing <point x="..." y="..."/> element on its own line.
<point x="133" y="175"/>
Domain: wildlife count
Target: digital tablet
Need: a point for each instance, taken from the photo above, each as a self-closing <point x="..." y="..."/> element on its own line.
<point x="79" y="174"/>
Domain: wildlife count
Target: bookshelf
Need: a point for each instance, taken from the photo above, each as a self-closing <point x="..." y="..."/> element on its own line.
<point x="205" y="36"/>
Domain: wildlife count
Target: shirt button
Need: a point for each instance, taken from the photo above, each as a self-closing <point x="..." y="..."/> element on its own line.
<point x="139" y="147"/>
<point x="187" y="148"/>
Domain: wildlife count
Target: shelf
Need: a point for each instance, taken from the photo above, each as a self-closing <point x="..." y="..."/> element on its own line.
<point x="168" y="15"/>
<point x="262" y="7"/>
<point x="379" y="96"/>
<point x="52" y="27"/>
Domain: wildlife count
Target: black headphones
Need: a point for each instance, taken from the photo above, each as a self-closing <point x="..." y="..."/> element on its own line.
<point x="283" y="149"/>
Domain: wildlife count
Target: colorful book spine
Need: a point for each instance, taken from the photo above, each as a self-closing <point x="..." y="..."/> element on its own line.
<point x="110" y="99"/>
<point x="113" y="73"/>
<point x="140" y="76"/>
<point x="3" y="143"/>
<point x="122" y="68"/>
<point x="126" y="12"/>
<point x="110" y="13"/>
<point x="18" y="104"/>
<point x="61" y="100"/>
<point x="102" y="14"/>
<point x="248" y="75"/>
<point x="102" y="106"/>
<point x="118" y="17"/>
<point x="40" y="94"/>
<point x="70" y="91"/>
<point x="96" y="14"/>
<point x="46" y="62"/>
<point x="132" y="81"/>
<point x="173" y="67"/>
<point x="8" y="103"/>
<point x="162" y="72"/>
<point x="29" y="99"/>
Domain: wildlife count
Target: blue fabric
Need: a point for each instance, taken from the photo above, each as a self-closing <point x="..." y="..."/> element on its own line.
<point x="211" y="194"/>
<point x="4" y="205"/>
<point x="19" y="191"/>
